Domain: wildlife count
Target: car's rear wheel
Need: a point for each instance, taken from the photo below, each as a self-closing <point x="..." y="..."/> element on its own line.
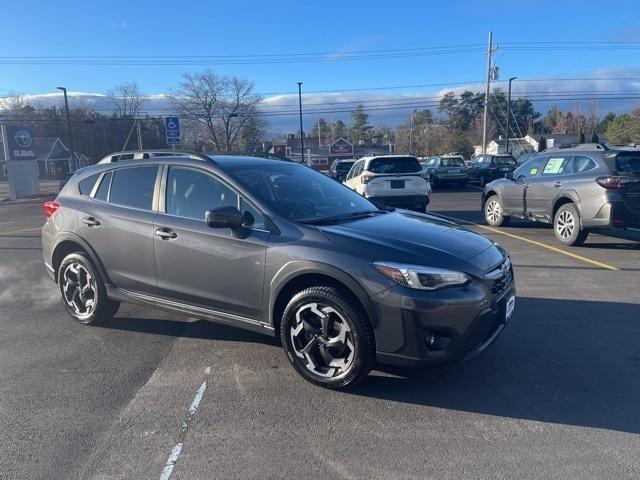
<point x="327" y="337"/>
<point x="83" y="292"/>
<point x="567" y="226"/>
<point x="493" y="213"/>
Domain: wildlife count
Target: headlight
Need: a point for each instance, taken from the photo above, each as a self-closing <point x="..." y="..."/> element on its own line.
<point x="421" y="277"/>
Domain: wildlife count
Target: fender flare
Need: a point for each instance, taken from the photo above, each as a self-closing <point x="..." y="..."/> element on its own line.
<point x="298" y="268"/>
<point x="72" y="237"/>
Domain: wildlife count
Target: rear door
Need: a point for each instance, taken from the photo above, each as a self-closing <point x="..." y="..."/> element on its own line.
<point x="395" y="176"/>
<point x="118" y="224"/>
<point x="199" y="265"/>
<point x="545" y="188"/>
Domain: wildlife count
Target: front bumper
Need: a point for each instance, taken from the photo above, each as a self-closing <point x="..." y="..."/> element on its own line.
<point x="424" y="328"/>
<point x="401" y="201"/>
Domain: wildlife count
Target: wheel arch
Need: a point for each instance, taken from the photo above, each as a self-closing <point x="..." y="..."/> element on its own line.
<point x="568" y="197"/>
<point x="296" y="276"/>
<point x="68" y="243"/>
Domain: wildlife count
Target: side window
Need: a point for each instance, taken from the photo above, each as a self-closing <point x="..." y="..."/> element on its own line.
<point x="103" y="189"/>
<point x="557" y="166"/>
<point x="530" y="169"/>
<point x="85" y="186"/>
<point x="190" y="193"/>
<point x="258" y="219"/>
<point x="583" y="164"/>
<point x="133" y="187"/>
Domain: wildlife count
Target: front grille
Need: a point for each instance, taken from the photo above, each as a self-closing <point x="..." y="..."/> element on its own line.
<point x="500" y="278"/>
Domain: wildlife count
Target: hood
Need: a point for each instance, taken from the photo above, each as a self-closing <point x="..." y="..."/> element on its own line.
<point x="410" y="238"/>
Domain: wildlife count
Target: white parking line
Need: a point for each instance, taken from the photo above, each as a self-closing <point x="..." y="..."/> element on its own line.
<point x="177" y="449"/>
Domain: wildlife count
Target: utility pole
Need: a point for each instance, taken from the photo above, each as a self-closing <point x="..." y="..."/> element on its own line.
<point x="139" y="134"/>
<point x="490" y="51"/>
<point x="509" y="111"/>
<point x="413" y="112"/>
<point x="74" y="164"/>
<point x="301" y="131"/>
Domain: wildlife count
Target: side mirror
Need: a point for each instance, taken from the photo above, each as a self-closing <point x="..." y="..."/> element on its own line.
<point x="224" y="217"/>
<point x="509" y="176"/>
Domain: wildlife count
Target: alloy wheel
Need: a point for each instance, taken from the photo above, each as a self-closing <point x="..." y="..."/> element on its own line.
<point x="565" y="225"/>
<point x="79" y="289"/>
<point x="322" y="340"/>
<point x="493" y="211"/>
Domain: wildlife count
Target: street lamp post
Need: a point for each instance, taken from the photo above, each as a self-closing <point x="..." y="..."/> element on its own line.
<point x="509" y="112"/>
<point x="301" y="132"/>
<point x="74" y="164"/>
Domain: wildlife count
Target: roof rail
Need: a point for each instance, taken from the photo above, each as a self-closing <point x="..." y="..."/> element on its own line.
<point x="579" y="146"/>
<point x="156" y="152"/>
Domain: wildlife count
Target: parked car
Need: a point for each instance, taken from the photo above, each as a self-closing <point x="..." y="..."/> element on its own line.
<point x="446" y="169"/>
<point x="340" y="168"/>
<point x="576" y="190"/>
<point x="277" y="248"/>
<point x="485" y="168"/>
<point x="392" y="180"/>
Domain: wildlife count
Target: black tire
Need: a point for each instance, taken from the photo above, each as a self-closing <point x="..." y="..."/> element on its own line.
<point x="86" y="300"/>
<point x="567" y="226"/>
<point x="493" y="212"/>
<point x="340" y="307"/>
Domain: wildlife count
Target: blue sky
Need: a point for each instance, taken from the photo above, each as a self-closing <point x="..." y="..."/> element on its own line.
<point x="187" y="27"/>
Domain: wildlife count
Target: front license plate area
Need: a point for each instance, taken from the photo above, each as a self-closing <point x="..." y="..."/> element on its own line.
<point x="397" y="183"/>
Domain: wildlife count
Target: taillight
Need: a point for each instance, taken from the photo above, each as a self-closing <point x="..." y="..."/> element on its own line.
<point x="615" y="182"/>
<point x="50" y="208"/>
<point x="366" y="178"/>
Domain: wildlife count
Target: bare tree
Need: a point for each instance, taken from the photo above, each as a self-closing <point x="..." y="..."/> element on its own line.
<point x="127" y="99"/>
<point x="216" y="107"/>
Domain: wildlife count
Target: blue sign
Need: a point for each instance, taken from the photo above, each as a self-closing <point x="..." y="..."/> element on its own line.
<point x="19" y="143"/>
<point x="172" y="129"/>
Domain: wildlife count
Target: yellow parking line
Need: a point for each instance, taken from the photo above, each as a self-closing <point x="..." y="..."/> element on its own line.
<point x="534" y="242"/>
<point x="11" y="232"/>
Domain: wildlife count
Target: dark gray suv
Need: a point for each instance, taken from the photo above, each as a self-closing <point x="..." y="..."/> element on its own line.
<point x="575" y="189"/>
<point x="280" y="249"/>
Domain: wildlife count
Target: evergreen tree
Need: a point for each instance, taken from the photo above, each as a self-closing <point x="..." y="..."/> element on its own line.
<point x="360" y="128"/>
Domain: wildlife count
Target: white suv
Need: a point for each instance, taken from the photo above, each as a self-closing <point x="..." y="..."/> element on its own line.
<point x="393" y="180"/>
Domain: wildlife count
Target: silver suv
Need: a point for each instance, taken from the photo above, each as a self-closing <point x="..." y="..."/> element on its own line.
<point x="576" y="189"/>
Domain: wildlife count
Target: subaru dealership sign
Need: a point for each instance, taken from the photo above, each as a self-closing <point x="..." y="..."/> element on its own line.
<point x="19" y="144"/>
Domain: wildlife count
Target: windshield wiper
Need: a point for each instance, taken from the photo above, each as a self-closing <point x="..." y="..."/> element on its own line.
<point x="342" y="217"/>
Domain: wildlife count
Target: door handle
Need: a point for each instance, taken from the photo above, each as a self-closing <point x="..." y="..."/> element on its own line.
<point x="527" y="184"/>
<point x="557" y="184"/>
<point x="166" y="234"/>
<point x="91" y="221"/>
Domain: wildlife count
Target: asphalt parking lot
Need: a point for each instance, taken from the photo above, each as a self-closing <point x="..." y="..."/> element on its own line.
<point x="151" y="394"/>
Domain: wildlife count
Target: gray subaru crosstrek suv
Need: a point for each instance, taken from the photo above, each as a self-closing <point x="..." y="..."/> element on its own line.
<point x="280" y="249"/>
<point x="577" y="190"/>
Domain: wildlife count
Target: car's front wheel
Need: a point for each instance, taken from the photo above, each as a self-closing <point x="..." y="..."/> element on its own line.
<point x="566" y="226"/>
<point x="327" y="337"/>
<point x="83" y="292"/>
<point x="493" y="213"/>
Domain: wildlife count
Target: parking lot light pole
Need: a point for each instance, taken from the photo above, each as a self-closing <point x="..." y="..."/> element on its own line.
<point x="74" y="166"/>
<point x="509" y="112"/>
<point x="413" y="112"/>
<point x="301" y="131"/>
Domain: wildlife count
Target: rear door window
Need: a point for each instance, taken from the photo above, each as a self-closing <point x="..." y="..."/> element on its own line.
<point x="557" y="165"/>
<point x="133" y="187"/>
<point x="394" y="165"/>
<point x="103" y="190"/>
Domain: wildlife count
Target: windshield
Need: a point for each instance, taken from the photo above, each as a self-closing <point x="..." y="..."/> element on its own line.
<point x="395" y="165"/>
<point x="298" y="192"/>
<point x="503" y="160"/>
<point x="452" y="162"/>
<point x="628" y="163"/>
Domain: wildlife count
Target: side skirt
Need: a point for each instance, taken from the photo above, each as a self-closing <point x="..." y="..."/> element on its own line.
<point x="189" y="310"/>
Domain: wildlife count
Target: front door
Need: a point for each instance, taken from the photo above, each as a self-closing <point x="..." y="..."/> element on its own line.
<point x="199" y="265"/>
<point x="515" y="195"/>
<point x="544" y="189"/>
